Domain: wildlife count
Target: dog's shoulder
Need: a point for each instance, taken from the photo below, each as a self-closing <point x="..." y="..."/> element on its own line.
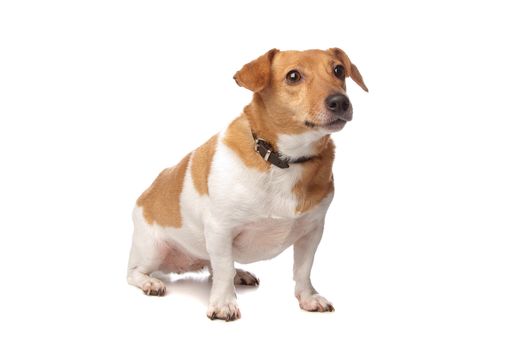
<point x="201" y="162"/>
<point x="239" y="139"/>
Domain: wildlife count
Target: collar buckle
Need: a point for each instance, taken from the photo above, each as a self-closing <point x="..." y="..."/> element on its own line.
<point x="257" y="143"/>
<point x="267" y="152"/>
<point x="266" y="148"/>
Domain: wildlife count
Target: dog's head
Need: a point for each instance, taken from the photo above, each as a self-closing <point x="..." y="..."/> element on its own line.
<point x="303" y="89"/>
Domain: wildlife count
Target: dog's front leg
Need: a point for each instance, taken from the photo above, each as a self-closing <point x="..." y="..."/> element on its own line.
<point x="304" y="251"/>
<point x="223" y="301"/>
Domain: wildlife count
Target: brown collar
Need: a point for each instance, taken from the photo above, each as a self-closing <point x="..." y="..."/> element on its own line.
<point x="269" y="154"/>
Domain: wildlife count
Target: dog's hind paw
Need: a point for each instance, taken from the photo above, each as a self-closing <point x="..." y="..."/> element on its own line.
<point x="245" y="278"/>
<point x="154" y="286"/>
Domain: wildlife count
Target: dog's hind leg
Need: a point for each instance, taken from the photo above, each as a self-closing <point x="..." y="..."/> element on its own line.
<point x="146" y="256"/>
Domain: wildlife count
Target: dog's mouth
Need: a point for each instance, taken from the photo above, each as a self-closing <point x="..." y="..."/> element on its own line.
<point x="333" y="125"/>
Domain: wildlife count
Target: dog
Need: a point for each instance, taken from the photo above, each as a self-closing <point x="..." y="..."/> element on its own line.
<point x="263" y="184"/>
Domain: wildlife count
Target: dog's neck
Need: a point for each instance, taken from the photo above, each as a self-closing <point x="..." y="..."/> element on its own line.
<point x="292" y="141"/>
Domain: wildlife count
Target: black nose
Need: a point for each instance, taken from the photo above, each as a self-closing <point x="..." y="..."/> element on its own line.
<point x="338" y="103"/>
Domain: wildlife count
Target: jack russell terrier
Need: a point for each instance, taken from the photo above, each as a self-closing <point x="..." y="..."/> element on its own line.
<point x="263" y="184"/>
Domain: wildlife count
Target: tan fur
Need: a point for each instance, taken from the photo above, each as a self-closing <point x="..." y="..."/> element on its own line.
<point x="161" y="201"/>
<point x="278" y="107"/>
<point x="255" y="75"/>
<point x="317" y="179"/>
<point x="201" y="165"/>
<point x="350" y="68"/>
<point x="268" y="126"/>
<point x="239" y="138"/>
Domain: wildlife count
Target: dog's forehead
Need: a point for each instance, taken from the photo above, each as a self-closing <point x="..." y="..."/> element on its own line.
<point x="309" y="58"/>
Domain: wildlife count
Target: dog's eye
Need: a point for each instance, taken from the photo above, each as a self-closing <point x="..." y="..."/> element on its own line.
<point x="293" y="76"/>
<point x="339" y="71"/>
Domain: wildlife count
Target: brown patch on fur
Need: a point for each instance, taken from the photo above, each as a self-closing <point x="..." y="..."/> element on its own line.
<point x="239" y="138"/>
<point x="316" y="181"/>
<point x="161" y="201"/>
<point x="268" y="126"/>
<point x="201" y="165"/>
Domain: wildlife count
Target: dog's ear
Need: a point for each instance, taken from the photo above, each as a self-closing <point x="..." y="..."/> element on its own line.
<point x="255" y="75"/>
<point x="350" y="68"/>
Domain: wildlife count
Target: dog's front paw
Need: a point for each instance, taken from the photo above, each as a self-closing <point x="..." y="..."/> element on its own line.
<point x="315" y="302"/>
<point x="227" y="311"/>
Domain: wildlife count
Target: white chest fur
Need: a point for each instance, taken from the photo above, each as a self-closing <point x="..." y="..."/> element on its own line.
<point x="266" y="238"/>
<point x="249" y="194"/>
<point x="263" y="239"/>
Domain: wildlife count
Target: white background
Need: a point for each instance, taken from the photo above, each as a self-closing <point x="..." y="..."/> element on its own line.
<point x="424" y="244"/>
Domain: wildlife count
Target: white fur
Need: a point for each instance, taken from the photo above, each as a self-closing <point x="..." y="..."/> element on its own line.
<point x="301" y="145"/>
<point x="248" y="216"/>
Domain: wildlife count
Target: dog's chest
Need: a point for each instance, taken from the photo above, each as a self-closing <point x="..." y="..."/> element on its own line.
<point x="246" y="193"/>
<point x="273" y="193"/>
<point x="264" y="238"/>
